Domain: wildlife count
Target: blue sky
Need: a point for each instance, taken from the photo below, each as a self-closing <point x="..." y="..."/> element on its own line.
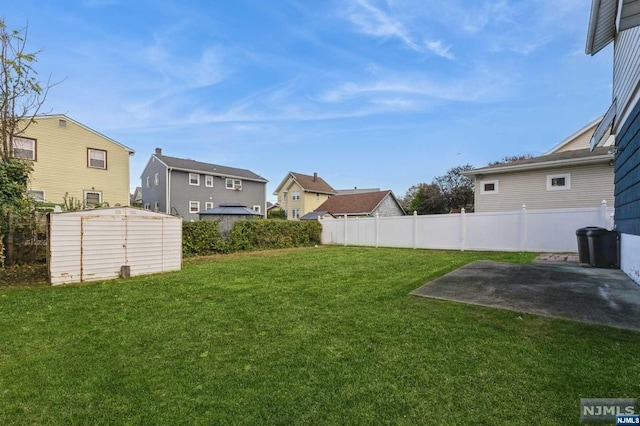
<point x="368" y="93"/>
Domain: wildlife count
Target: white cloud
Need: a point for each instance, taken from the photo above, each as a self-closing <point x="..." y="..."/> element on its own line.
<point x="439" y="49"/>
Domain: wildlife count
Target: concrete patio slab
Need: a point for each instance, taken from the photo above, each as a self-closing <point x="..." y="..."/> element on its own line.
<point x="555" y="289"/>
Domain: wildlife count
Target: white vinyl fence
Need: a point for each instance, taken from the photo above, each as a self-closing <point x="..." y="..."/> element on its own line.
<point x="524" y="230"/>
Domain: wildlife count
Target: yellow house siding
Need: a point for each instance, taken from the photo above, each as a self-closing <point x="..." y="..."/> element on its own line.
<point x="580" y="142"/>
<point x="588" y="187"/>
<point x="62" y="162"/>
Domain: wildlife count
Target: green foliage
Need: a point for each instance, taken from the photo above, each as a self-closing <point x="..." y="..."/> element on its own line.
<point x="202" y="238"/>
<point x="29" y="274"/>
<point x="274" y="234"/>
<point x="276" y="214"/>
<point x="70" y="204"/>
<point x="511" y="159"/>
<point x="445" y="194"/>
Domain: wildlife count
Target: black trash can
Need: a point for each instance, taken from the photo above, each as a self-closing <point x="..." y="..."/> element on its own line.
<point x="583" y="244"/>
<point x="603" y="248"/>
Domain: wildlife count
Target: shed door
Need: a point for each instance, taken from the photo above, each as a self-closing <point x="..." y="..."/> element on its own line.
<point x="103" y="246"/>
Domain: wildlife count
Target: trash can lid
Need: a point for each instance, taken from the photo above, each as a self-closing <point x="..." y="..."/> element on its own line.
<point x="583" y="231"/>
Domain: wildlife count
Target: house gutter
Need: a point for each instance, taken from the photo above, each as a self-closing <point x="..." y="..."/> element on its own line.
<point x="539" y="166"/>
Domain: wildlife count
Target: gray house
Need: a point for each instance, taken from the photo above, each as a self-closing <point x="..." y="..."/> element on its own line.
<point x="184" y="187"/>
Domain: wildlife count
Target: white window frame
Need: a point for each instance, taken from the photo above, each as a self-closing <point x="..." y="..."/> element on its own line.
<point x="256" y="208"/>
<point x="21" y="140"/>
<point x="208" y="181"/>
<point x="156" y="206"/>
<point x="197" y="204"/>
<point x="496" y="188"/>
<point x="284" y="196"/>
<point x="295" y="213"/>
<point x="156" y="179"/>
<point x="208" y="205"/>
<point x="147" y="183"/>
<point x="567" y="182"/>
<point x="295" y="195"/>
<point x="233" y="184"/>
<point x="32" y="191"/>
<point x="86" y="192"/>
<point x="96" y="151"/>
<point x="146" y="206"/>
<point x="197" y="176"/>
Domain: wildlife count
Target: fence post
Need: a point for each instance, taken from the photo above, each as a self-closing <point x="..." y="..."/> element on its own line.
<point x="345" y="229"/>
<point x="523" y="228"/>
<point x="603" y="219"/>
<point x="377" y="228"/>
<point x="463" y="229"/>
<point x="415" y="229"/>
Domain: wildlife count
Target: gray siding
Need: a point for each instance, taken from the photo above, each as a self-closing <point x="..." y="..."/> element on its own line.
<point x="155" y="193"/>
<point x="626" y="71"/>
<point x="590" y="185"/>
<point x="181" y="193"/>
<point x="388" y="207"/>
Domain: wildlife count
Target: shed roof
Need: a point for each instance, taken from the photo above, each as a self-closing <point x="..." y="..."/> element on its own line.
<point x="314" y="215"/>
<point x="189" y="165"/>
<point x="355" y="204"/>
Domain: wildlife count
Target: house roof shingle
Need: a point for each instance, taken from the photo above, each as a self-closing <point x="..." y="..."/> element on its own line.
<point x="599" y="153"/>
<point x="214" y="169"/>
<point x="363" y="203"/>
<point x="312" y="183"/>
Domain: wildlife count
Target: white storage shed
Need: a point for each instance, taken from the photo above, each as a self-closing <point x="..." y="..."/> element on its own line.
<point x="98" y="244"/>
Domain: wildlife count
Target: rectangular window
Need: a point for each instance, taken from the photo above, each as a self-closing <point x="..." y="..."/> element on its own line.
<point x="23" y="148"/>
<point x="36" y="194"/>
<point x="208" y="205"/>
<point x="234" y="184"/>
<point x="558" y="182"/>
<point x="194" y="179"/>
<point x="208" y="181"/>
<point x="96" y="158"/>
<point x="92" y="198"/>
<point x="146" y="206"/>
<point x="147" y="183"/>
<point x="489" y="187"/>
<point x="295" y="214"/>
<point x="156" y="179"/>
<point x="256" y="208"/>
<point x="194" y="206"/>
<point x="156" y="206"/>
<point x="62" y="123"/>
<point x="295" y="195"/>
<point x="317" y="196"/>
<point x="284" y="196"/>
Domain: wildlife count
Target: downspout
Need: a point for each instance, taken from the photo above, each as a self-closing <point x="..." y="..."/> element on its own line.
<point x="168" y="191"/>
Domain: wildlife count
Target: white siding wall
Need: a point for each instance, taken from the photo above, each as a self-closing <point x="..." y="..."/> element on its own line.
<point x="589" y="186"/>
<point x="626" y="72"/>
<point x="93" y="244"/>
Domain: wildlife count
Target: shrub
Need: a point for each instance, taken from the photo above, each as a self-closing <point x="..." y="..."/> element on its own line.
<point x="202" y="238"/>
<point x="274" y="234"/>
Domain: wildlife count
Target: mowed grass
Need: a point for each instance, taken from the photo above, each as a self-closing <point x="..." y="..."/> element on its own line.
<point x="311" y="336"/>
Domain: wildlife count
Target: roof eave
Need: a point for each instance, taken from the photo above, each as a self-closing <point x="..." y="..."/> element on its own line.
<point x="544" y="165"/>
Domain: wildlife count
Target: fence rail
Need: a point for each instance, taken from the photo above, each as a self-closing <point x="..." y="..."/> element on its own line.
<point x="532" y="230"/>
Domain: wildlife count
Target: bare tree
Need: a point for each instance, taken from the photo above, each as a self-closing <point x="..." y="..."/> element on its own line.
<point x="21" y="93"/>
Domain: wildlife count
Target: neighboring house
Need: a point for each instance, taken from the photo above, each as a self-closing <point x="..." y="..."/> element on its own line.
<point x="299" y="194"/>
<point x="185" y="187"/>
<point x="567" y="176"/>
<point x="618" y="21"/>
<point x="69" y="157"/>
<point x="228" y="214"/>
<point x="136" y="197"/>
<point x="384" y="203"/>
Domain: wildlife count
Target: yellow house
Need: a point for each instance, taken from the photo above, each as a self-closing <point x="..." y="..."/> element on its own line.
<point x="300" y="194"/>
<point x="69" y="157"/>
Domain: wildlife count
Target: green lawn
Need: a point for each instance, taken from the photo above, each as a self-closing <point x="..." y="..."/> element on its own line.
<point x="321" y="336"/>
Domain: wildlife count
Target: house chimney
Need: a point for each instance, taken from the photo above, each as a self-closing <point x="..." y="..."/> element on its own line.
<point x="315" y="176"/>
<point x="158" y="151"/>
